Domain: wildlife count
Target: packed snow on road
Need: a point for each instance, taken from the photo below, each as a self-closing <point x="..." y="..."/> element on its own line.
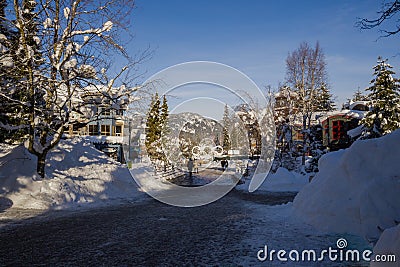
<point x="354" y="195"/>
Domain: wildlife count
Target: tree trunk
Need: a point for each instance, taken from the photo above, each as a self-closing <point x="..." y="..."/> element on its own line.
<point x="303" y="156"/>
<point x="41" y="164"/>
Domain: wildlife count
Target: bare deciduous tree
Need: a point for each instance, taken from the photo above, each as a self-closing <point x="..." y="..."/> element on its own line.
<point x="387" y="12"/>
<point x="306" y="74"/>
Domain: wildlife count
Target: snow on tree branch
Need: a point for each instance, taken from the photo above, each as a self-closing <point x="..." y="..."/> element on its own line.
<point x="61" y="51"/>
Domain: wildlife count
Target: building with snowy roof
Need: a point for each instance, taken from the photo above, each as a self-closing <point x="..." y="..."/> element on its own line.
<point x="100" y="114"/>
<point x="101" y="118"/>
<point x="340" y="128"/>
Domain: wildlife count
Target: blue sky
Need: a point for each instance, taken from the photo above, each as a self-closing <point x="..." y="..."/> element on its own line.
<point x="256" y="36"/>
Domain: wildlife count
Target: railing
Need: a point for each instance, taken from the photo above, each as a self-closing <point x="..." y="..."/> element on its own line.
<point x="101" y="138"/>
<point x="168" y="172"/>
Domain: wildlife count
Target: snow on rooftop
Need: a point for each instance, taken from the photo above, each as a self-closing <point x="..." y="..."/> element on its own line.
<point x="356" y="103"/>
<point x="349" y="113"/>
<point x="285" y="93"/>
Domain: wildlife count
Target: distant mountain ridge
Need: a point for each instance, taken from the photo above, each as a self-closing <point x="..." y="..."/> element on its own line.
<point x="194" y="127"/>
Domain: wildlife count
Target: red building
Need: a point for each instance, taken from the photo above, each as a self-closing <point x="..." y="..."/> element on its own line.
<point x="335" y="127"/>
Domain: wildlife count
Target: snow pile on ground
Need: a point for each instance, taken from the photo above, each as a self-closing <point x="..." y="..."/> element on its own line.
<point x="144" y="175"/>
<point x="280" y="181"/>
<point x="77" y="174"/>
<point x="284" y="180"/>
<point x="357" y="190"/>
<point x="5" y="149"/>
<point x="388" y="244"/>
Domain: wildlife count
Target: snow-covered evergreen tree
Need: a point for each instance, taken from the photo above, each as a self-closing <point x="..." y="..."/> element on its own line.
<point x="165" y="142"/>
<point x="164" y="112"/>
<point x="153" y="131"/>
<point x="226" y="142"/>
<point x="324" y="101"/>
<point x="157" y="128"/>
<point x="7" y="36"/>
<point x="316" y="148"/>
<point x="235" y="137"/>
<point x="384" y="116"/>
<point x="16" y="100"/>
<point x="359" y="96"/>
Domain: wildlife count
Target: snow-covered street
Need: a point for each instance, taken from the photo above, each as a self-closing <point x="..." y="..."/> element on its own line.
<point x="112" y="221"/>
<point x="227" y="232"/>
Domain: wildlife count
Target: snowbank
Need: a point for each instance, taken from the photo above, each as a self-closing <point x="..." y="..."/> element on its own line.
<point x="388" y="244"/>
<point x="149" y="182"/>
<point x="357" y="190"/>
<point x="284" y="180"/>
<point x="5" y="149"/>
<point x="77" y="174"/>
<point x="280" y="181"/>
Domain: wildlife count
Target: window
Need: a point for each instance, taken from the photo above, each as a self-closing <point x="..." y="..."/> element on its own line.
<point x="361" y="107"/>
<point x="338" y="130"/>
<point x="106" y="130"/>
<point x="106" y="112"/>
<point x="75" y="128"/>
<point x="93" y="130"/>
<point x="118" y="130"/>
<point x="119" y="112"/>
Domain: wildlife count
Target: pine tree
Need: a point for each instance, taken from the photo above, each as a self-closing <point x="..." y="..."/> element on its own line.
<point x="324" y="104"/>
<point x="6" y="66"/>
<point x="153" y="132"/>
<point x="324" y="100"/>
<point x="359" y="96"/>
<point x="216" y="140"/>
<point x="164" y="112"/>
<point x="157" y="129"/>
<point x="14" y="71"/>
<point x="226" y="143"/>
<point x="235" y="142"/>
<point x="384" y="117"/>
<point x="164" y="128"/>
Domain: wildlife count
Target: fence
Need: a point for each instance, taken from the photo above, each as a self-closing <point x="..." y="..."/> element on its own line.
<point x="168" y="172"/>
